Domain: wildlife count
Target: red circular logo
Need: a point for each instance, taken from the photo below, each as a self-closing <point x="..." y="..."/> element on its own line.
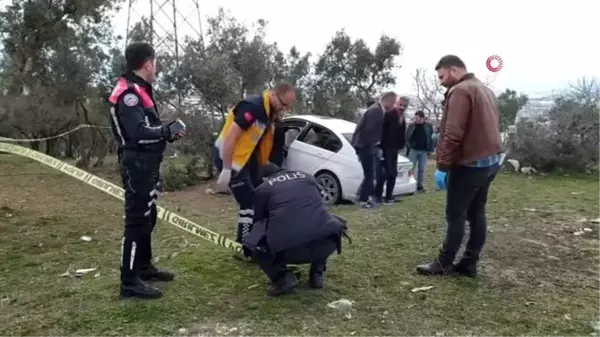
<point x="494" y="68"/>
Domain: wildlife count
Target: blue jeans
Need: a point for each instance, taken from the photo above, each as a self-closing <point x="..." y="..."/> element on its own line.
<point x="419" y="160"/>
<point x="466" y="199"/>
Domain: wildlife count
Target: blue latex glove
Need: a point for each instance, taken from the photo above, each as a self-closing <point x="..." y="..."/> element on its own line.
<point x="440" y="179"/>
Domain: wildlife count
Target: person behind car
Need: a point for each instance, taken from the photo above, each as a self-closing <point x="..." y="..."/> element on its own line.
<point x="364" y="140"/>
<point x="292" y="226"/>
<point x="392" y="141"/>
<point x="434" y="138"/>
<point x="418" y="139"/>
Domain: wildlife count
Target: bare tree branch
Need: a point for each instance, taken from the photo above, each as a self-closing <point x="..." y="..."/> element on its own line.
<point x="430" y="93"/>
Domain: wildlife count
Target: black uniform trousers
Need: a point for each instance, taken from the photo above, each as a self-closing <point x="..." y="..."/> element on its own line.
<point x="242" y="185"/>
<point x="316" y="253"/>
<point x="140" y="173"/>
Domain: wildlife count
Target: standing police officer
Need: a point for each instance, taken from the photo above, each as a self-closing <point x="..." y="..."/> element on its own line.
<point x="292" y="226"/>
<point x="245" y="143"/>
<point x="142" y="140"/>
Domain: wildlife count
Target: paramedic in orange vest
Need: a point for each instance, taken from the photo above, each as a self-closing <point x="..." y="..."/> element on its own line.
<point x="245" y="143"/>
<point x="142" y="139"/>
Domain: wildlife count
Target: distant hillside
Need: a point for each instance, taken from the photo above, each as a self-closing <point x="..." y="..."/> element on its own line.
<point x="536" y="107"/>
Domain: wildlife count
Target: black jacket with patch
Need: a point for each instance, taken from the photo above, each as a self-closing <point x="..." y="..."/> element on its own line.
<point x="289" y="212"/>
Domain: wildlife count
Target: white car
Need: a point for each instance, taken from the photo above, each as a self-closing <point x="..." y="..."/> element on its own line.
<point x="321" y="146"/>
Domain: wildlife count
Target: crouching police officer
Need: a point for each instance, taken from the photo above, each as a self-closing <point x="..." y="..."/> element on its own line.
<point x="292" y="226"/>
<point x="142" y="140"/>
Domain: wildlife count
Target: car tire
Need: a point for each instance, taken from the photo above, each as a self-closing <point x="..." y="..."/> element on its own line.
<point x="329" y="186"/>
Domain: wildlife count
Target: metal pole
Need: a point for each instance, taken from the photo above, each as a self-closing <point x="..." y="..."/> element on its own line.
<point x="200" y="26"/>
<point x="152" y="22"/>
<point x="177" y="72"/>
<point x="128" y="22"/>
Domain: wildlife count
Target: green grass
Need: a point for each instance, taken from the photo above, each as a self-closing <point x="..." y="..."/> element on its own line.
<point x="537" y="278"/>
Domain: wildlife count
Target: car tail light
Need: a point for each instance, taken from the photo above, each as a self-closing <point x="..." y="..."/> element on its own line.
<point x="405" y="167"/>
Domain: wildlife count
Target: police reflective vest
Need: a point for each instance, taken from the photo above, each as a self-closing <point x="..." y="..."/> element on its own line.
<point x="249" y="139"/>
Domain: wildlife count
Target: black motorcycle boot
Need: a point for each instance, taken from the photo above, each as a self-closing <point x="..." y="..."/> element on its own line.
<point x="150" y="273"/>
<point x="136" y="288"/>
<point x="442" y="265"/>
<point x="317" y="276"/>
<point x="146" y="270"/>
<point x="131" y="284"/>
<point x="467" y="266"/>
<point x="283" y="285"/>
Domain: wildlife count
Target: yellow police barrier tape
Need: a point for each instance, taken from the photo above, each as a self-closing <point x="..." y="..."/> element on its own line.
<point x="117" y="192"/>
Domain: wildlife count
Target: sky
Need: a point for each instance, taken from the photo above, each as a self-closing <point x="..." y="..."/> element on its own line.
<point x="544" y="45"/>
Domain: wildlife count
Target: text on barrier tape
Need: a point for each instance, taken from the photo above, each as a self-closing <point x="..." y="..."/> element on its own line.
<point x="117" y="192"/>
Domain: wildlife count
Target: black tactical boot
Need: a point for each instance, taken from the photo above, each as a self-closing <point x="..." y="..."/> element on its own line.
<point x="137" y="288"/>
<point x="440" y="266"/>
<point x="151" y="273"/>
<point x="131" y="284"/>
<point x="467" y="266"/>
<point x="316" y="276"/>
<point x="466" y="269"/>
<point x="284" y="285"/>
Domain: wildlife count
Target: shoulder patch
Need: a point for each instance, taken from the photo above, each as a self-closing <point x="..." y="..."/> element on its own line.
<point x="248" y="117"/>
<point x="131" y="100"/>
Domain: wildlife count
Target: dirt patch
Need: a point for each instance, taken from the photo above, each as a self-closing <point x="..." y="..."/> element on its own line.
<point x="217" y="329"/>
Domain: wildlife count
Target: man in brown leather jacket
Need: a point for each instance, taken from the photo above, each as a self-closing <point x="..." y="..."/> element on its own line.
<point x="469" y="151"/>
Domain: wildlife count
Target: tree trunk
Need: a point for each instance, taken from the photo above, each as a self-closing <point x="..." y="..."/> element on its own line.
<point x="69" y="147"/>
<point x="101" y="152"/>
<point x="208" y="163"/>
<point x="51" y="147"/>
<point x="101" y="158"/>
<point x="84" y="161"/>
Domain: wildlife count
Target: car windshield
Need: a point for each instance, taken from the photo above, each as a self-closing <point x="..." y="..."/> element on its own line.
<point x="348" y="137"/>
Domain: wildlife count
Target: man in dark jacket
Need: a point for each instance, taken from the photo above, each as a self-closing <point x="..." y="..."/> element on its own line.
<point x="292" y="226"/>
<point x="364" y="140"/>
<point x="392" y="141"/>
<point x="418" y="140"/>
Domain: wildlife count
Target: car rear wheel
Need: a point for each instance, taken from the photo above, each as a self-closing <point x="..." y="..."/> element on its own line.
<point x="330" y="188"/>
